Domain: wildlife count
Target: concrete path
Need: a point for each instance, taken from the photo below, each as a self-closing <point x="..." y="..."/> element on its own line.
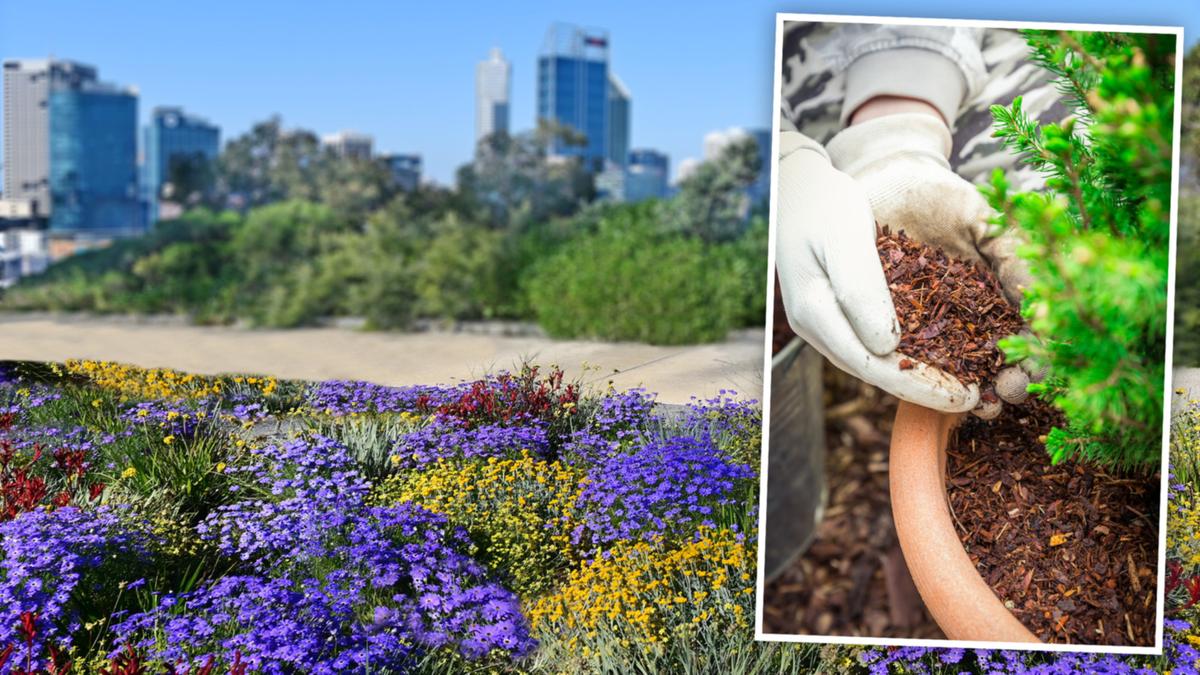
<point x="675" y="373"/>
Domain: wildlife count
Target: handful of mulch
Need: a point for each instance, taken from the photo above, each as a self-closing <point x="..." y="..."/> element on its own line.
<point x="951" y="312"/>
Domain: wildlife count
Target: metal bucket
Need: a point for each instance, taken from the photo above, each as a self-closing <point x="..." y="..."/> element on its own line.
<point x="796" y="490"/>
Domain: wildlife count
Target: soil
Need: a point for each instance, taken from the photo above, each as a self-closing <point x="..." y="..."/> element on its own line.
<point x="1071" y="549"/>
<point x="853" y="580"/>
<point x="951" y="312"/>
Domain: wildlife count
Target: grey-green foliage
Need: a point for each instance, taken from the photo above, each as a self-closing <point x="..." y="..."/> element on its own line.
<point x="511" y="180"/>
<point x="371" y="439"/>
<point x="269" y="164"/>
<point x="712" y="202"/>
<point x="709" y="650"/>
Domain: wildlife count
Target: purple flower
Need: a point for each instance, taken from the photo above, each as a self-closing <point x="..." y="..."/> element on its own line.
<point x="665" y="489"/>
<point x="46" y="557"/>
<point x="315" y="561"/>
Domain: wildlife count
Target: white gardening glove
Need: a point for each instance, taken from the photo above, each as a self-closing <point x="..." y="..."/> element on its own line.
<point x="901" y="162"/>
<point x="832" y="282"/>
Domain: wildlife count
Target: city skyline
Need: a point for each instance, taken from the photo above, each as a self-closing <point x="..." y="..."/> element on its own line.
<point x="403" y="74"/>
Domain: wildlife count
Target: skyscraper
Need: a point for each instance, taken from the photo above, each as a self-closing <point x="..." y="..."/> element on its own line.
<point x="647" y="176"/>
<point x="644" y="177"/>
<point x="493" y="85"/>
<point x="172" y="137"/>
<point x="573" y="88"/>
<point x="760" y="189"/>
<point x="27" y="84"/>
<point x="405" y="170"/>
<point x="93" y="160"/>
<point x="349" y="144"/>
<point x="619" y="104"/>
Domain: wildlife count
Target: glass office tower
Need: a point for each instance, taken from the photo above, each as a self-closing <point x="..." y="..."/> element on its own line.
<point x="174" y="136"/>
<point x="27" y="86"/>
<point x="93" y="160"/>
<point x="648" y="175"/>
<point x="573" y="90"/>
<point x="620" y="103"/>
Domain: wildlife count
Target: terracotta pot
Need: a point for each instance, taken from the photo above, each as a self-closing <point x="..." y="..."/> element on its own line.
<point x="963" y="605"/>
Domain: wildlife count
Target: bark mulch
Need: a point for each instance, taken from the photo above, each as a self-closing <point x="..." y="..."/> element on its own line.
<point x="951" y="312"/>
<point x="1071" y="549"/>
<point x="853" y="580"/>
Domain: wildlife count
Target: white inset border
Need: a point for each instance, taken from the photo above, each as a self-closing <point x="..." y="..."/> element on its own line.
<point x="782" y="18"/>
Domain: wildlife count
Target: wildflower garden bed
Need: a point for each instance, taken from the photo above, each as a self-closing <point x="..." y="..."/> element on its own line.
<point x="156" y="521"/>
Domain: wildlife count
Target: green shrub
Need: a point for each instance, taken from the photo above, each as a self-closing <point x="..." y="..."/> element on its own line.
<point x="628" y="281"/>
<point x="1098" y="241"/>
<point x="456" y="274"/>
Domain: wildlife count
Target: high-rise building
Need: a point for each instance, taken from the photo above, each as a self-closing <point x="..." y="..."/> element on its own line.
<point x="405" y="170"/>
<point x="573" y="88"/>
<point x="172" y="137"/>
<point x="647" y="176"/>
<point x="27" y="84"/>
<point x="760" y="189"/>
<point x="349" y="144"/>
<point x="610" y="184"/>
<point x="619" y="104"/>
<point x="93" y="160"/>
<point x="493" y="85"/>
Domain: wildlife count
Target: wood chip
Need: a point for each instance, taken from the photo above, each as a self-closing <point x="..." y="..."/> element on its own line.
<point x="953" y="312"/>
<point x="1069" y="540"/>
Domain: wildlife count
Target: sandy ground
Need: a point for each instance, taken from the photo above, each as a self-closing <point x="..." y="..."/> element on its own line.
<point x="675" y="373"/>
<point x="1188" y="379"/>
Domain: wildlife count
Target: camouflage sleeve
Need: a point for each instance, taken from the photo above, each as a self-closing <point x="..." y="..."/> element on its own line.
<point x="815" y="88"/>
<point x="938" y="64"/>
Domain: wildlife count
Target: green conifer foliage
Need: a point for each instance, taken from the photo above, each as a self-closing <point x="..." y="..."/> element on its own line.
<point x="1097" y="241"/>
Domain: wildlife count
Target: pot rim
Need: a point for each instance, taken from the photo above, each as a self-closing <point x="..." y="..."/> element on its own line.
<point x="961" y="602"/>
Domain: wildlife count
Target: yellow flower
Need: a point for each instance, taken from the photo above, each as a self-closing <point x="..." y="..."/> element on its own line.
<point x="169" y="439"/>
<point x="220" y="467"/>
<point x="129" y="472"/>
<point x="522" y="522"/>
<point x="95" y="403"/>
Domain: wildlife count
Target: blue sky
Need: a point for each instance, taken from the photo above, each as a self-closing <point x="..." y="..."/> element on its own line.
<point x="404" y="71"/>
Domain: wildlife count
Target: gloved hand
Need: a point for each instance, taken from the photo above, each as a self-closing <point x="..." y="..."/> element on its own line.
<point x="901" y="162"/>
<point x="833" y="285"/>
